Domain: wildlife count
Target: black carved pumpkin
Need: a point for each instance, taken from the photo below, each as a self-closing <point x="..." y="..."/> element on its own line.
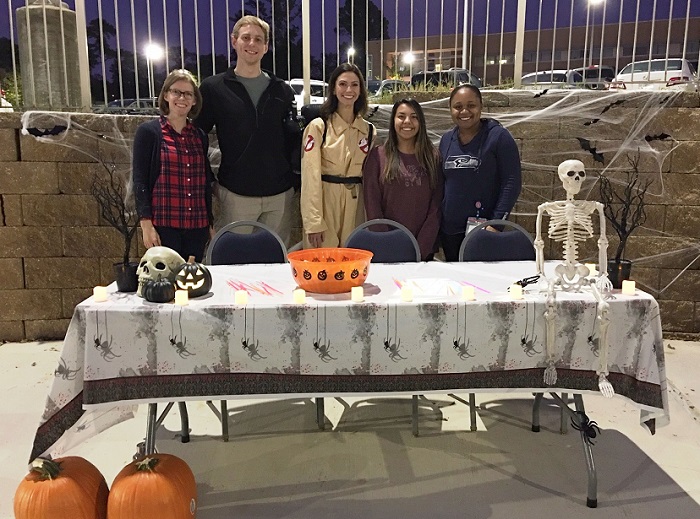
<point x="193" y="277"/>
<point x="158" y="290"/>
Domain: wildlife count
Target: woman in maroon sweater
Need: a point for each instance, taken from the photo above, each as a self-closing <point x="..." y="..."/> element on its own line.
<point x="402" y="179"/>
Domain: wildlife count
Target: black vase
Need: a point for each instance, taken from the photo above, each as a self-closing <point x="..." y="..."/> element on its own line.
<point x="127" y="280"/>
<point x="619" y="271"/>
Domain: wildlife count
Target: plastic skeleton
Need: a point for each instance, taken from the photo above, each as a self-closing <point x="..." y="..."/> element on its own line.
<point x="570" y="223"/>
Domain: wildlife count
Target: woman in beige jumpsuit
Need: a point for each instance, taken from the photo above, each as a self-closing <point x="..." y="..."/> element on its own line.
<point x="334" y="148"/>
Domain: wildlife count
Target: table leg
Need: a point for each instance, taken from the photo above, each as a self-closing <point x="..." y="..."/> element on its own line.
<point x="536" y="412"/>
<point x="472" y="412"/>
<point x="150" y="447"/>
<point x="184" y="423"/>
<point x="414" y="414"/>
<point x="582" y="422"/>
<point x="320" y="414"/>
<point x="592" y="499"/>
<point x="563" y="416"/>
<point x="224" y="420"/>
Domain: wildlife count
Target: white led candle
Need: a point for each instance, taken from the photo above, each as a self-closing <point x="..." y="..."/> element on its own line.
<point x="406" y="294"/>
<point x="516" y="292"/>
<point x="628" y="288"/>
<point x="181" y="297"/>
<point x="592" y="270"/>
<point x="299" y="296"/>
<point x="468" y="293"/>
<point x="357" y="294"/>
<point x="99" y="294"/>
<point x="240" y="298"/>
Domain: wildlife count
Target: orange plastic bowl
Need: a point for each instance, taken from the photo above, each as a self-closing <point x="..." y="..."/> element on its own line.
<point x="330" y="271"/>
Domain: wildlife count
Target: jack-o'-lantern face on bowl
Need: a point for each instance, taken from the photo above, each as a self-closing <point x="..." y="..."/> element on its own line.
<point x="330" y="270"/>
<point x="193" y="277"/>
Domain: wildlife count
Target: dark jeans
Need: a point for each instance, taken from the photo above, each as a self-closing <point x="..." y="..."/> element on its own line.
<point x="186" y="242"/>
<point x="450" y="245"/>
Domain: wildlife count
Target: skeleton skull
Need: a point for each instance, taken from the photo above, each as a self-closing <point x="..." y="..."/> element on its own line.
<point x="572" y="174"/>
<point x="158" y="262"/>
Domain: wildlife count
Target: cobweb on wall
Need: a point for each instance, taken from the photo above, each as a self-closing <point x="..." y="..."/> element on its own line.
<point x="599" y="128"/>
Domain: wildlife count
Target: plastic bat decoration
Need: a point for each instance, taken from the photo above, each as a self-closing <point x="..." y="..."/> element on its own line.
<point x="657" y="137"/>
<point x="586" y="145"/>
<point x="540" y="94"/>
<point x="614" y="103"/>
<point x="43" y="132"/>
<point x="592" y="121"/>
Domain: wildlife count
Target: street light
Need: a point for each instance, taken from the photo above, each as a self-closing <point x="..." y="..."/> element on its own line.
<point x="351" y="54"/>
<point x="153" y="52"/>
<point x="408" y="58"/>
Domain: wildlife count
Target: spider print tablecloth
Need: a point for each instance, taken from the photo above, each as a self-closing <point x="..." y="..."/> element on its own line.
<point x="127" y="351"/>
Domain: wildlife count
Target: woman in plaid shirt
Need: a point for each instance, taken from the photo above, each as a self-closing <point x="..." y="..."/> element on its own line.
<point x="171" y="172"/>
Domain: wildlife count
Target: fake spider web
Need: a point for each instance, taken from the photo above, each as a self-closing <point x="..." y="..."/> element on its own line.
<point x="596" y="127"/>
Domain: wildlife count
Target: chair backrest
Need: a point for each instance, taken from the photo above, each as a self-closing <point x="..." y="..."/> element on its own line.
<point x="396" y="245"/>
<point x="263" y="245"/>
<point x="508" y="245"/>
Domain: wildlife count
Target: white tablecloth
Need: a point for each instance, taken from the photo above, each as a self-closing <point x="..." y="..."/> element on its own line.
<point x="127" y="350"/>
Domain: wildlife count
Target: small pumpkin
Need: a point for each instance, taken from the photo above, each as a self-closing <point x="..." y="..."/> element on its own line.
<point x="158" y="290"/>
<point x="158" y="485"/>
<point x="64" y="487"/>
<point x="193" y="277"/>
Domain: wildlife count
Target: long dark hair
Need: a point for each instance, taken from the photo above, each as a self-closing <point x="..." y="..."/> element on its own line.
<point x="425" y="150"/>
<point x="331" y="103"/>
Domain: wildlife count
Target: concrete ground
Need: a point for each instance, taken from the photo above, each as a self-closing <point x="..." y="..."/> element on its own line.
<point x="367" y="463"/>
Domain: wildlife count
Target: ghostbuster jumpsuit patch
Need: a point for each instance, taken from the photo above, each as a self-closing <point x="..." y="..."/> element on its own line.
<point x="329" y="207"/>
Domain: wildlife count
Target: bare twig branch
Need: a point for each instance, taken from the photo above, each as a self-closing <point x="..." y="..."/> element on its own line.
<point x="116" y="204"/>
<point x="624" y="207"/>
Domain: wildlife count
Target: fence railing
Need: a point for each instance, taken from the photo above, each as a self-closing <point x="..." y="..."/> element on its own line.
<point x="89" y="53"/>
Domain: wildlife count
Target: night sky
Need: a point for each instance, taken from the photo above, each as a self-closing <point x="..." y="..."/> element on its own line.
<point x="403" y="21"/>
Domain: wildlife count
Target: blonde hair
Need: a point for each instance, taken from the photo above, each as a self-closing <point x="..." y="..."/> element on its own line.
<point x="252" y="20"/>
<point x="180" y="74"/>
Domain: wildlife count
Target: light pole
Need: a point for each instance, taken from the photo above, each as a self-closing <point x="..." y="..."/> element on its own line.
<point x="590" y="50"/>
<point x="153" y="51"/>
<point x="351" y="54"/>
<point x="408" y="59"/>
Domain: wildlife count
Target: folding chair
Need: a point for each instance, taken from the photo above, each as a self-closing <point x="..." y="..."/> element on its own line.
<point x="391" y="243"/>
<point x="508" y="245"/>
<point x="227" y="247"/>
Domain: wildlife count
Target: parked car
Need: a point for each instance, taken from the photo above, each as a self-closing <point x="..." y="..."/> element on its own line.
<point x="388" y="87"/>
<point x="551" y="79"/>
<point x="142" y="106"/>
<point x="657" y="74"/>
<point x="450" y="78"/>
<point x="5" y="105"/>
<point x="373" y="85"/>
<point x="595" y="77"/>
<point x="317" y="95"/>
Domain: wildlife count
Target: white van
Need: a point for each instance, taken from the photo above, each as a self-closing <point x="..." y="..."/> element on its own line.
<point x="657" y="74"/>
<point x="317" y="95"/>
<point x="550" y="79"/>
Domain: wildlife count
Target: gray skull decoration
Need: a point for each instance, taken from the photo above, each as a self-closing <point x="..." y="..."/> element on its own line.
<point x="158" y="263"/>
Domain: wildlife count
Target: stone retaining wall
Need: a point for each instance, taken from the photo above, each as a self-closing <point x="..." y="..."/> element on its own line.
<point x="55" y="247"/>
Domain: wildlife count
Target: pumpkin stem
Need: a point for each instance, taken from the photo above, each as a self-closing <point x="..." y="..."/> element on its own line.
<point x="147" y="464"/>
<point x="48" y="469"/>
<point x="190" y="260"/>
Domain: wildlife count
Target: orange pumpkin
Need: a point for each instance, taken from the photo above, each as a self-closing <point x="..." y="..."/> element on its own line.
<point x="64" y="487"/>
<point x="159" y="485"/>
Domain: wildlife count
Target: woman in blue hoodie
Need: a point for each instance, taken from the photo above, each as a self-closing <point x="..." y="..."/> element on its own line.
<point x="481" y="166"/>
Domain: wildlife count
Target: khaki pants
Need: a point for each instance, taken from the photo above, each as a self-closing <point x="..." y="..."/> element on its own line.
<point x="343" y="210"/>
<point x="274" y="211"/>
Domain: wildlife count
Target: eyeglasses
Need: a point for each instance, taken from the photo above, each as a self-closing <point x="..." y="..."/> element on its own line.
<point x="179" y="93"/>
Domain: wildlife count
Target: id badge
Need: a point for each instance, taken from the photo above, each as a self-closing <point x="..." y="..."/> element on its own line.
<point x="472" y="222"/>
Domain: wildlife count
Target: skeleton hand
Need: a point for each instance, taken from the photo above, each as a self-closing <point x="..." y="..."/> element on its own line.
<point x="604" y="284"/>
